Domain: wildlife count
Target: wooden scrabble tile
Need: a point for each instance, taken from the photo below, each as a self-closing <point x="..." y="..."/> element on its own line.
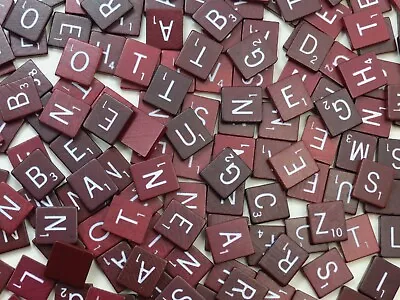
<point x="283" y="259"/>
<point x="225" y="173"/>
<point x="56" y="224"/>
<point x="338" y="112"/>
<point x="87" y="94"/>
<point x="295" y="10"/>
<point x="104" y="14"/>
<point x="327" y="222"/>
<point x="164" y="28"/>
<point x="64" y="113"/>
<point x="373" y="183"/>
<point x="389" y="236"/>
<point x="142" y="271"/>
<point x="274" y="289"/>
<point x="315" y="136"/>
<point x="38" y="175"/>
<point x="298" y="230"/>
<point x="180" y="225"/>
<point x="28" y="19"/>
<point x="355" y="146"/>
<point x="18" y="153"/>
<point x="164" y="91"/>
<point x="16" y="240"/>
<point x="62" y="290"/>
<point x="37" y="287"/>
<point x="20" y="99"/>
<point x="130" y="23"/>
<point x="325" y="283"/>
<point x="181" y="287"/>
<point x="73" y="261"/>
<point x="23" y="47"/>
<point x="380" y="280"/>
<point x="99" y="294"/>
<point x="178" y="265"/>
<point x="361" y="240"/>
<point x="392" y="205"/>
<point x="267" y="203"/>
<point x="297" y="173"/>
<point x="66" y="26"/>
<point x="220" y="76"/>
<point x="196" y="61"/>
<point x="137" y="62"/>
<point x="339" y="187"/>
<point x="218" y="18"/>
<point x="347" y="293"/>
<point x="92" y="184"/>
<point x="113" y="261"/>
<point x="233" y="287"/>
<point x="241" y="104"/>
<point x="231" y="205"/>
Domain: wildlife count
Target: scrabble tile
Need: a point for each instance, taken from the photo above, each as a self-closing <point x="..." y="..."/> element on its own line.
<point x="204" y="291"/>
<point x="66" y="26"/>
<point x="220" y="76"/>
<point x="192" y="195"/>
<point x="299" y="295"/>
<point x="355" y="146"/>
<point x="262" y="237"/>
<point x="99" y="294"/>
<point x="310" y="47"/>
<point x="347" y="293"/>
<point x="104" y="14"/>
<point x="231" y="205"/>
<point x="392" y="205"/>
<point x="217" y="18"/>
<point x="164" y="28"/>
<point x="325" y="284"/>
<point x="361" y="240"/>
<point x="29" y="68"/>
<point x="383" y="47"/>
<point x="393" y="102"/>
<point x="164" y="92"/>
<point x="38" y="175"/>
<point x="253" y="54"/>
<point x="324" y="88"/>
<point x="380" y="280"/>
<point x="107" y="118"/>
<point x="181" y="287"/>
<point x="112" y="46"/>
<point x="92" y="185"/>
<point x="9" y="131"/>
<point x="182" y="232"/>
<point x="73" y="261"/>
<point x="229" y="240"/>
<point x="373" y="183"/>
<point x="16" y="240"/>
<point x="272" y="126"/>
<point x="56" y="224"/>
<point x="93" y="235"/>
<point x="162" y="177"/>
<point x="315" y="136"/>
<point x="338" y="112"/>
<point x="311" y="189"/>
<point x="267" y="203"/>
<point x="366" y="27"/>
<point x="242" y="146"/>
<point x="225" y="173"/>
<point x="291" y="177"/>
<point x="128" y="219"/>
<point x="329" y="18"/>
<point x="234" y="286"/>
<point x="274" y="289"/>
<point x="142" y="271"/>
<point x="62" y="290"/>
<point x="294" y="10"/>
<point x="241" y="104"/>
<point x="112" y="262"/>
<point x="38" y="286"/>
<point x="21" y="151"/>
<point x="362" y="74"/>
<point x="389" y="235"/>
<point x="180" y="262"/>
<point x="206" y="109"/>
<point x="23" y="47"/>
<point x="298" y="230"/>
<point x="373" y="113"/>
<point x="6" y="272"/>
<point x="21" y="99"/>
<point x="130" y="192"/>
<point x="196" y="61"/>
<point x="339" y="187"/>
<point x="64" y="113"/>
<point x="6" y="5"/>
<point x="130" y="23"/>
<point x="157" y="114"/>
<point x="28" y="19"/>
<point x="137" y="62"/>
<point x="283" y="259"/>
<point x="327" y="222"/>
<point x="79" y="61"/>
<point x="75" y="152"/>
<point x="383" y="5"/>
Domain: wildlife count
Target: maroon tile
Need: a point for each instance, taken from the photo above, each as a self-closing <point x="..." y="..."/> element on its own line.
<point x="18" y="153"/>
<point x="87" y="94"/>
<point x="274" y="289"/>
<point x="5" y="273"/>
<point x="231" y="205"/>
<point x="389" y="236"/>
<point x="294" y="10"/>
<point x="16" y="240"/>
<point x="99" y="294"/>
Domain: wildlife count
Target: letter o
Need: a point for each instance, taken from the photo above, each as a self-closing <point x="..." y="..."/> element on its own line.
<point x="85" y="65"/>
<point x="22" y="21"/>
